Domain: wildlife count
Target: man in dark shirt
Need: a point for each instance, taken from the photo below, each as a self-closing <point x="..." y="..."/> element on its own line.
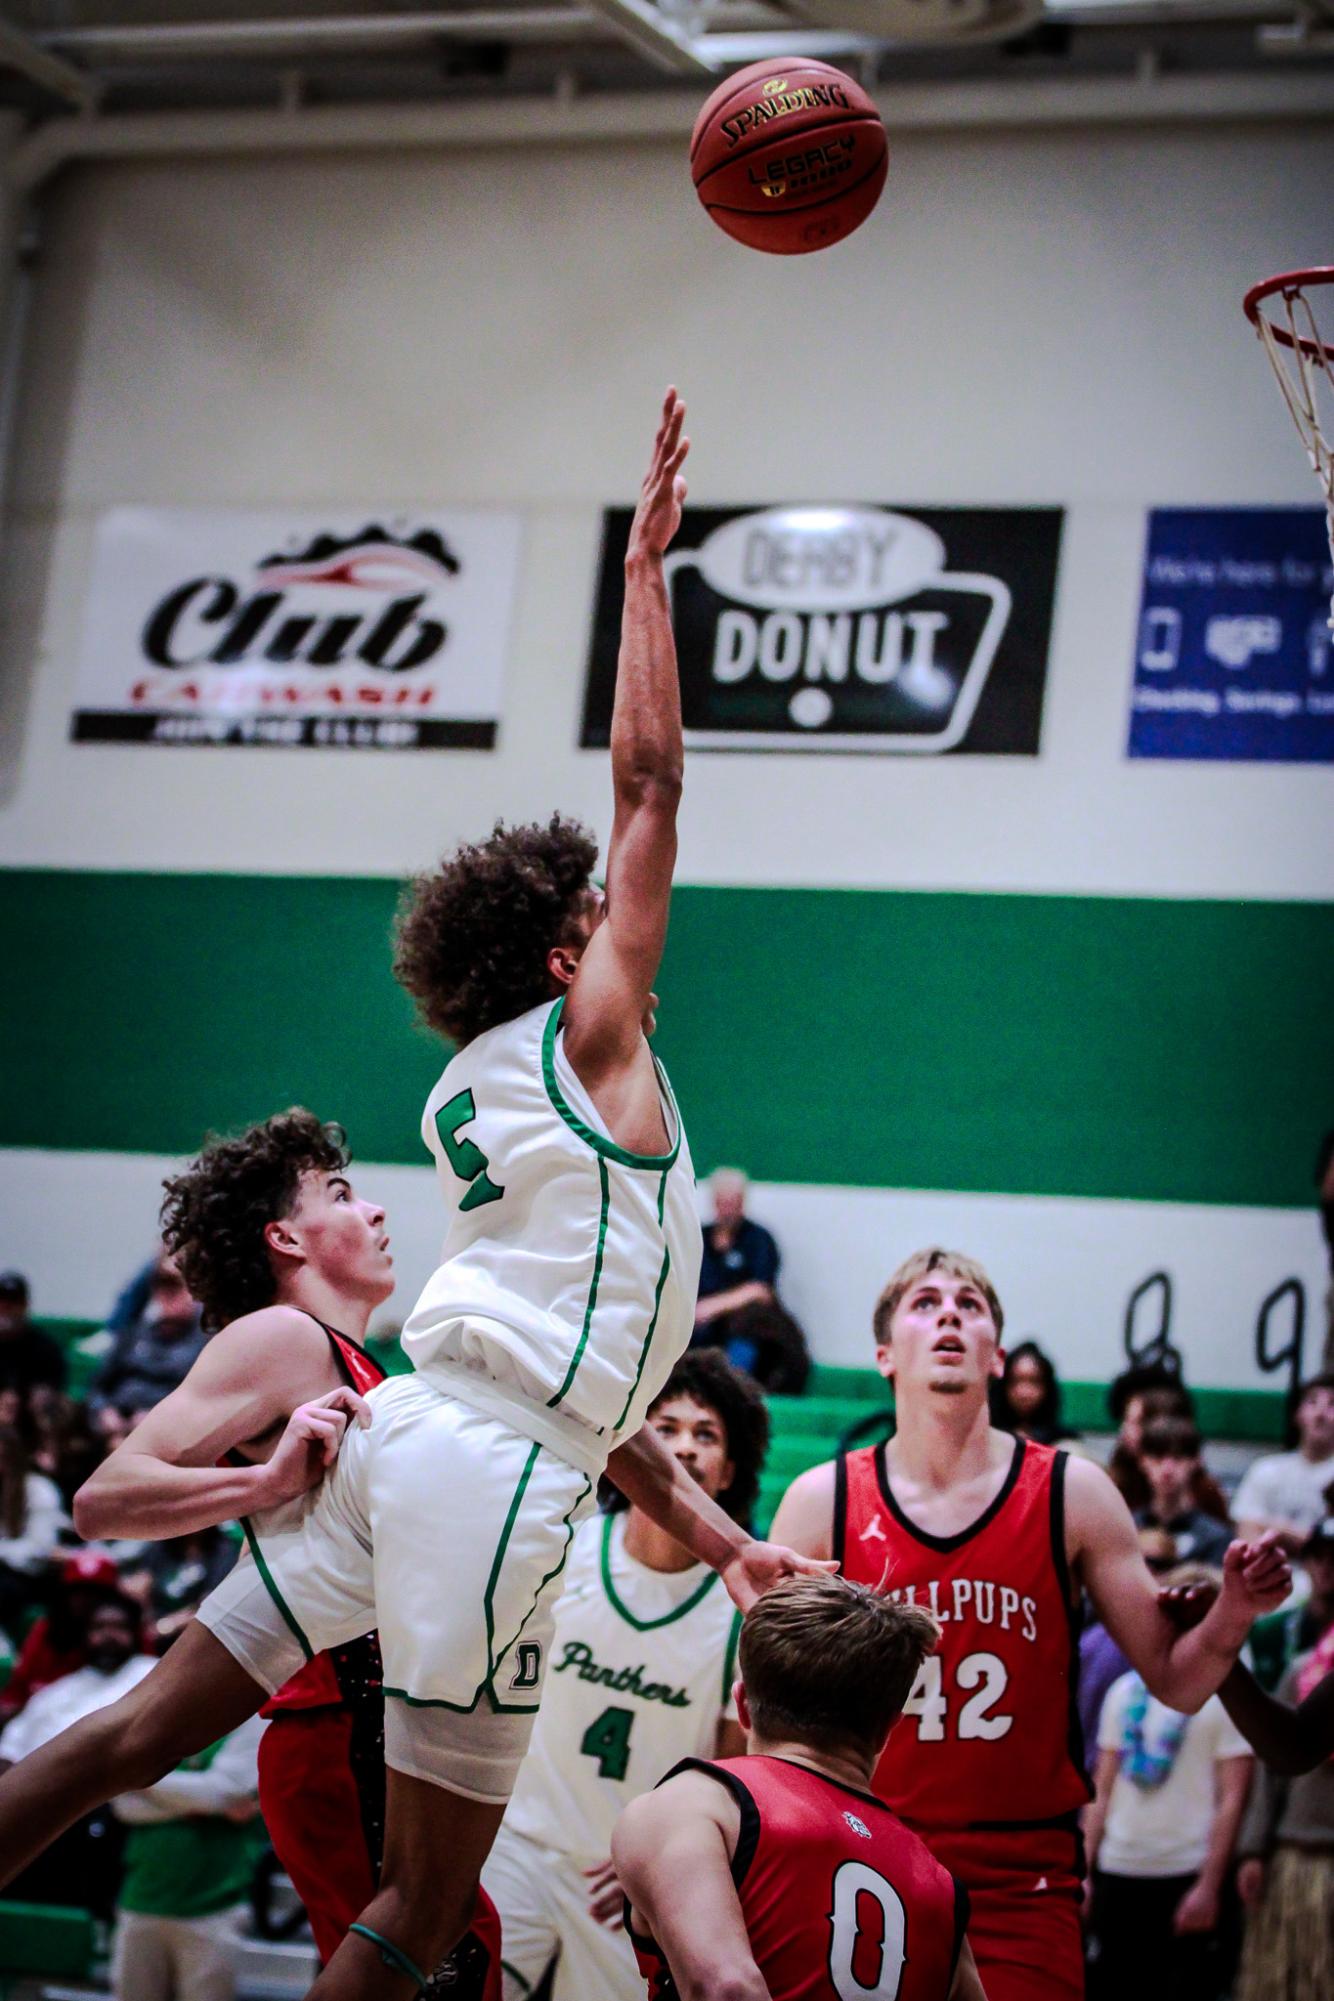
<point x="1170" y="1459"/>
<point x="27" y="1356"/>
<point x="738" y="1309"/>
<point x="153" y="1354"/>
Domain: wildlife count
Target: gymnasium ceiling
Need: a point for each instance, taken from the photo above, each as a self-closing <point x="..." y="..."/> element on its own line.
<point x="66" y="57"/>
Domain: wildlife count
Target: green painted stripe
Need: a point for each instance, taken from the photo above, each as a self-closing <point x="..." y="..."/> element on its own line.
<point x="591" y="1308"/>
<point x="1043" y="1045"/>
<point x="617" y="1604"/>
<point x="271" y="1587"/>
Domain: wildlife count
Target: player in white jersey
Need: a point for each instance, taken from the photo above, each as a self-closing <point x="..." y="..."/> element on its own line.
<point x="450" y="1515"/>
<point x="642" y="1662"/>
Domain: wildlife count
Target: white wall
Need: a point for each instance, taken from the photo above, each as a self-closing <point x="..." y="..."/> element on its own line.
<point x="1044" y="317"/>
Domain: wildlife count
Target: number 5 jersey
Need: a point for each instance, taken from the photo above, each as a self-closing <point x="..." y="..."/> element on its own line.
<point x="570" y="1265"/>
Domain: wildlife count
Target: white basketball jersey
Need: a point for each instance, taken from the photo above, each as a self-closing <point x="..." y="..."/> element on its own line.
<point x="570" y="1265"/>
<point x="639" y="1674"/>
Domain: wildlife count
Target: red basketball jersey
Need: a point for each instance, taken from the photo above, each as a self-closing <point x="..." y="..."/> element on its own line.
<point x="841" y="1901"/>
<point x="322" y="1681"/>
<point x="990" y="1735"/>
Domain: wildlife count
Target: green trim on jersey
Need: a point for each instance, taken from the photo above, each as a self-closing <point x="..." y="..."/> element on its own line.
<point x="529" y="1708"/>
<point x="599" y="1141"/>
<point x="271" y="1587"/>
<point x="591" y="1307"/>
<point x="614" y="1600"/>
<point x="515" y="1976"/>
<point x="729" y="1659"/>
<point x="657" y="1306"/>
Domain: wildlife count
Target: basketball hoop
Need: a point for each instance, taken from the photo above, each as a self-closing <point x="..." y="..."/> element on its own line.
<point x="1294" y="317"/>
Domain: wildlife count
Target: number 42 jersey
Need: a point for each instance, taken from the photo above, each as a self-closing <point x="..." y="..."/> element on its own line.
<point x="570" y="1265"/>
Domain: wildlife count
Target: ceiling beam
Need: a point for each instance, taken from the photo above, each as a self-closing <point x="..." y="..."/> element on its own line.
<point x="49" y="72"/>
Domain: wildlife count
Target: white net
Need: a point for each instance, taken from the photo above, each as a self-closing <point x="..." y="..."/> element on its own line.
<point x="1303" y="366"/>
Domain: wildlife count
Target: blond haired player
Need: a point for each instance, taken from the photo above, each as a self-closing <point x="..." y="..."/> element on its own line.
<point x="565" y="1295"/>
<point x="998" y="1537"/>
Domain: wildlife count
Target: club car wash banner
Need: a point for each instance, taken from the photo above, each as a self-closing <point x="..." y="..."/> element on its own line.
<point x="359" y="630"/>
<point x="858" y="628"/>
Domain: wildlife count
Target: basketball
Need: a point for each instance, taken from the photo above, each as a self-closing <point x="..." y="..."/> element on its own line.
<point x="789" y="157"/>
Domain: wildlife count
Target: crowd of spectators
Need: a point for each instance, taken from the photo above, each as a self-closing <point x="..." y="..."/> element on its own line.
<point x="1209" y="1875"/>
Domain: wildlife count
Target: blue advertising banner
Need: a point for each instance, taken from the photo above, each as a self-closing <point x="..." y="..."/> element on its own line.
<point x="1234" y="657"/>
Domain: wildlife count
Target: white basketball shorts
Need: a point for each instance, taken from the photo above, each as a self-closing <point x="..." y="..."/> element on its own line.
<point x="449" y="1530"/>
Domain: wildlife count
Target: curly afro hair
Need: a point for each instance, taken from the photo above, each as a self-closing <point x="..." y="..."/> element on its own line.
<point x="473" y="936"/>
<point x="707" y="1377"/>
<point x="213" y="1214"/>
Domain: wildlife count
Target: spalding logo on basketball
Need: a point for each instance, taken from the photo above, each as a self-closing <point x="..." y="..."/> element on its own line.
<point x="789" y="156"/>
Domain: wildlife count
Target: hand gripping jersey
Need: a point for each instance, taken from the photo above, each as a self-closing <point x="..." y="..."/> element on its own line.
<point x="641" y="1669"/>
<point x="989" y="1738"/>
<point x="570" y="1266"/>
<point x="841" y="1901"/>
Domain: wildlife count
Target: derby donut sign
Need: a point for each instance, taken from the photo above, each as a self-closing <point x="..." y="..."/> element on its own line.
<point x="854" y="628"/>
<point x="357" y="631"/>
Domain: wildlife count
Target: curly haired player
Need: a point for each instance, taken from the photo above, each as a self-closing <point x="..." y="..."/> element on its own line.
<point x="998" y="1537"/>
<point x="571" y="1258"/>
<point x="247" y="1224"/>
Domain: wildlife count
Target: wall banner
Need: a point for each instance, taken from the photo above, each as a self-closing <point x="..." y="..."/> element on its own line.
<point x="856" y="628"/>
<point x="350" y="630"/>
<point x="1234" y="652"/>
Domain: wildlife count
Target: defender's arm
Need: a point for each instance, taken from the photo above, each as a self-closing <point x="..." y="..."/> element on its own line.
<point x="249" y="1379"/>
<point x="673" y="1853"/>
<point x="1181" y="1669"/>
<point x="612" y="989"/>
<point x="805" y="1518"/>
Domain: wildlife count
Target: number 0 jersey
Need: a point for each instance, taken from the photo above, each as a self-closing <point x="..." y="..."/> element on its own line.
<point x="570" y="1265"/>
<point x="841" y="1901"/>
<point x="639" y="1673"/>
<point x="989" y="1737"/>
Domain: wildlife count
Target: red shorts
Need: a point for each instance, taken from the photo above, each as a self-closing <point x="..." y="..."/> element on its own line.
<point x="308" y="1797"/>
<point x="1025" y="1897"/>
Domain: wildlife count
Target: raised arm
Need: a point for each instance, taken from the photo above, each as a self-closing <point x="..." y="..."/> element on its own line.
<point x="1183" y="1669"/>
<point x="248" y="1381"/>
<point x="610" y="995"/>
<point x="673" y="1849"/>
<point x="656" y="1481"/>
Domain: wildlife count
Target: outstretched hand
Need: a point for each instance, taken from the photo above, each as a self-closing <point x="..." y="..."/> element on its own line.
<point x="662" y="496"/>
<point x="758" y="1565"/>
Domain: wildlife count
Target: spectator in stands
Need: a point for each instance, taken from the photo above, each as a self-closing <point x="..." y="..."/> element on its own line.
<point x="153" y="1353"/>
<point x="1138" y="1396"/>
<point x="738" y="1309"/>
<point x="1026" y="1399"/>
<point x="1285" y="1491"/>
<point x="68" y="1446"/>
<point x="1160" y="1833"/>
<point x="176" y="1576"/>
<point x="27" y="1355"/>
<point x="1286" y="1877"/>
<point x="33" y="1519"/>
<point x="1278" y="1638"/>
<point x="57" y="1643"/>
<point x="82" y="1867"/>
<point x="1170" y="1459"/>
<point x="187" y="1868"/>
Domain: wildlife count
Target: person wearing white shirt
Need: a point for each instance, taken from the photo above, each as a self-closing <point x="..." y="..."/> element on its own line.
<point x="1160" y="1833"/>
<point x="1285" y="1491"/>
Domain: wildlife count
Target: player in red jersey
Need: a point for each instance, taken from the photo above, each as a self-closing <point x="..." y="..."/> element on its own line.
<point x="998" y="1536"/>
<point x="276" y="1246"/>
<point x="780" y="1876"/>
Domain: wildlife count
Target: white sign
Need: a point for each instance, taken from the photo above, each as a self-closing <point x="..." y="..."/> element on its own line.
<point x="380" y="631"/>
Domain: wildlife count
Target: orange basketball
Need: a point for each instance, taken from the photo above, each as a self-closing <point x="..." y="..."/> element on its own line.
<point x="789" y="156"/>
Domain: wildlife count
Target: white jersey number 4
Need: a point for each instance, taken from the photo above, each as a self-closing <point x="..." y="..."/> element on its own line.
<point x="852" y="1946"/>
<point x="984" y="1673"/>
